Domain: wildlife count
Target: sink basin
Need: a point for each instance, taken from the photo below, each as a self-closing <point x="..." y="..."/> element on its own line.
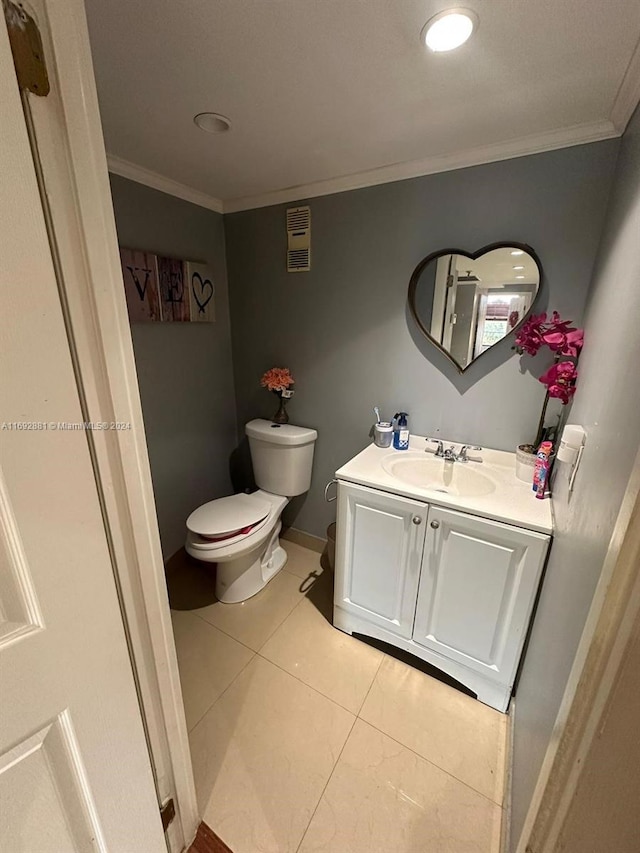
<point x="436" y="475"/>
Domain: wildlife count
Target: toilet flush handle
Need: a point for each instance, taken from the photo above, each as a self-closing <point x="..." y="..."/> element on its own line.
<point x="326" y="491"/>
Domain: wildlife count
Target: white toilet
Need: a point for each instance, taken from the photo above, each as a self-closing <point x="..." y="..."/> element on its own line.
<point x="240" y="533"/>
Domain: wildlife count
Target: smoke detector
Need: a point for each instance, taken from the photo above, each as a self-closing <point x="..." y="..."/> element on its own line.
<point x="212" y="122"/>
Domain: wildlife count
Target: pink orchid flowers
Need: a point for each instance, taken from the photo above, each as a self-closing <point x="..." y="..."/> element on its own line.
<point x="559" y="335"/>
<point x="529" y="338"/>
<point x="563" y="339"/>
<point x="560" y="380"/>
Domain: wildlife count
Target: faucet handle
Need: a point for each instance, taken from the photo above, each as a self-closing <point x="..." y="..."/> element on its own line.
<point x="439" y="451"/>
<point x="464" y="457"/>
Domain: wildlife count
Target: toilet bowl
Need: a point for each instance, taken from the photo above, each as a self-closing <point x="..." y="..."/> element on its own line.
<point x="240" y="533"/>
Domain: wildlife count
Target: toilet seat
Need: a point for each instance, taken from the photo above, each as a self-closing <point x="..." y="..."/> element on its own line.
<point x="225" y="518"/>
<point x="227" y="548"/>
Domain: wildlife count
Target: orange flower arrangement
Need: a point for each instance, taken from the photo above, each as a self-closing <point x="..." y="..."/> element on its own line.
<point x="277" y="379"/>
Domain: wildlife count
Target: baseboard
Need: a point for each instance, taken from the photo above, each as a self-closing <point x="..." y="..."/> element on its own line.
<point x="505" y="832"/>
<point x="306" y="540"/>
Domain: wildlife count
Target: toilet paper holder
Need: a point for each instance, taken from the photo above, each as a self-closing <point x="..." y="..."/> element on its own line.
<point x="571" y="449"/>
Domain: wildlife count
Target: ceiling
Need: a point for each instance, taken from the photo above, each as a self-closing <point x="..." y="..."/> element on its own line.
<point x="498" y="268"/>
<point x="327" y="95"/>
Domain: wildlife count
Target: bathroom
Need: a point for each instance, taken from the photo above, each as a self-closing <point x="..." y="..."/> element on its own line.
<point x="344" y="332"/>
<point x="342" y="329"/>
<point x="302" y="737"/>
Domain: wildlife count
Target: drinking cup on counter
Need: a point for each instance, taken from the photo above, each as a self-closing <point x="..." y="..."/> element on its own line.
<point x="383" y="434"/>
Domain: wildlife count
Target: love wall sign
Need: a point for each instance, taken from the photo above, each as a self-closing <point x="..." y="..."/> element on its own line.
<point x="166" y="289"/>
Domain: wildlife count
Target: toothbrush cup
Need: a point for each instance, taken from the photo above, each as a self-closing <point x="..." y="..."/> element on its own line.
<point x="383" y="434"/>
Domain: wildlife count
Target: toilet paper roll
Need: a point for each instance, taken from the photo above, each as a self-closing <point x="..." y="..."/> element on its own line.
<point x="567" y="453"/>
<point x="573" y="436"/>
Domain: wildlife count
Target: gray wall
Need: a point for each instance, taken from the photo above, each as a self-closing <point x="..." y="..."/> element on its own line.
<point x="343" y="328"/>
<point x="184" y="370"/>
<point x="607" y="404"/>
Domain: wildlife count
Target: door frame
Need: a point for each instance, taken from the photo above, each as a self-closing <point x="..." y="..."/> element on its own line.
<point x="71" y="161"/>
<point x="608" y="632"/>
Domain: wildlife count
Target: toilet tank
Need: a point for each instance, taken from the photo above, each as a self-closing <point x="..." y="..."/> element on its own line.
<point x="282" y="456"/>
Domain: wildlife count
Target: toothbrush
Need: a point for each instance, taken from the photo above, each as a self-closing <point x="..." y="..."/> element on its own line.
<point x="376" y="412"/>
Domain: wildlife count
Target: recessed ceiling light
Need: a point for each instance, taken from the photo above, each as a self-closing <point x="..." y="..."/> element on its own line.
<point x="519" y="267"/>
<point x="519" y="276"/>
<point x="212" y="122"/>
<point x="449" y="29"/>
<point x="517" y="252"/>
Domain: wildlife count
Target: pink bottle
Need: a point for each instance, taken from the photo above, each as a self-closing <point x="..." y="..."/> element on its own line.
<point x="543" y="475"/>
<point x="542" y="456"/>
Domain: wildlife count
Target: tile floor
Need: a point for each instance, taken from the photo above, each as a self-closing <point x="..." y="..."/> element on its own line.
<point x="306" y="739"/>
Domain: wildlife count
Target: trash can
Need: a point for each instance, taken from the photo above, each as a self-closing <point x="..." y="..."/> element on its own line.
<point x="331" y="545"/>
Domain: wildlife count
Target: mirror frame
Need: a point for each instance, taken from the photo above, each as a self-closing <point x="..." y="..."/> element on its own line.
<point x="415" y="277"/>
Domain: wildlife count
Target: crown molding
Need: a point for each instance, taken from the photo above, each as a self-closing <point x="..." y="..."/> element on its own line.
<point x="140" y="175"/>
<point x="521" y="147"/>
<point x="628" y="95"/>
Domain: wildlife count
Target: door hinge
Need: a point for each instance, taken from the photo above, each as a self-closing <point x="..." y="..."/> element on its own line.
<point x="167" y="813"/>
<point x="26" y="47"/>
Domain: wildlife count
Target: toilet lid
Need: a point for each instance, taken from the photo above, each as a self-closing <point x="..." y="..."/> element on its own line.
<point x="227" y="516"/>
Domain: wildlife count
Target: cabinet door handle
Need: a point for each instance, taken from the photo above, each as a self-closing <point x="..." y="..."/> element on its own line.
<point x="435" y="524"/>
<point x="416" y="519"/>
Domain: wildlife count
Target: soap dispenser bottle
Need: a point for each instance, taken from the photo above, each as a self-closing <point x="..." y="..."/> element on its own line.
<point x="401" y="431"/>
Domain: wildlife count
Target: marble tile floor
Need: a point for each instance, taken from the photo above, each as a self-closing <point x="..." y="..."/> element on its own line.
<point x="307" y="740"/>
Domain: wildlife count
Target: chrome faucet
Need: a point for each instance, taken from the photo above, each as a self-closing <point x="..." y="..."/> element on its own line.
<point x="449" y="454"/>
<point x="463" y="457"/>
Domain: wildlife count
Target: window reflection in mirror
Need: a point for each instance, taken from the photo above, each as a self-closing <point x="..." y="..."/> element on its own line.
<point x="466" y="305"/>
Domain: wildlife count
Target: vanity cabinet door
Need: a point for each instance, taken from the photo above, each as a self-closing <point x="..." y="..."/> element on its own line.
<point x="477" y="587"/>
<point x="378" y="555"/>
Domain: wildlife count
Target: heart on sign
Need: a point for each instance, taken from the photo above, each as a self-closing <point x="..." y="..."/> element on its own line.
<point x="202" y="289"/>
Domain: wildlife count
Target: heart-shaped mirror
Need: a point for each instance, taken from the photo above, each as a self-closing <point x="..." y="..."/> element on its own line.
<point x="466" y="302"/>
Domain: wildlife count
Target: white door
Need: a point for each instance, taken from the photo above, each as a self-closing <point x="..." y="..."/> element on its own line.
<point x="75" y="774"/>
<point x="450" y="306"/>
<point x="478" y="584"/>
<point x="378" y="556"/>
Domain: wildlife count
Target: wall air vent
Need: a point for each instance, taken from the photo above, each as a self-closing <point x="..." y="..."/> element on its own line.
<point x="298" y="239"/>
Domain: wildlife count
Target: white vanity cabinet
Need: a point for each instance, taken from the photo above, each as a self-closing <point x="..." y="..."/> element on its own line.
<point x="379" y="552"/>
<point x="452" y="588"/>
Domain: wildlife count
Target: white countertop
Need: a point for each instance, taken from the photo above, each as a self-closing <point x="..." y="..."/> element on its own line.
<point x="513" y="501"/>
